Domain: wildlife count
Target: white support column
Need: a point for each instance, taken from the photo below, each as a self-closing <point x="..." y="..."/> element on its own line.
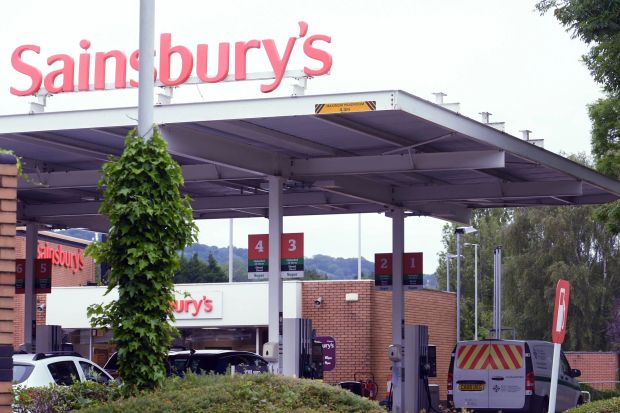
<point x="275" y="280"/>
<point x="230" y="250"/>
<point x="30" y="304"/>
<point x="359" y="246"/>
<point x="146" y="61"/>
<point x="458" y="286"/>
<point x="398" y="247"/>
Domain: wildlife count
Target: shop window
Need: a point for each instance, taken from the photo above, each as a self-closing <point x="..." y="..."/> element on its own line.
<point x="64" y="372"/>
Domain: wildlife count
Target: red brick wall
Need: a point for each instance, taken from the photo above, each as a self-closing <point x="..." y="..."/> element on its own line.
<point x="348" y="322"/>
<point x="62" y="276"/>
<point x="363" y="329"/>
<point x="595" y="367"/>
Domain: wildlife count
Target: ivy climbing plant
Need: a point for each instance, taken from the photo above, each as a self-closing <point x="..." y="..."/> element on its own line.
<point x="149" y="222"/>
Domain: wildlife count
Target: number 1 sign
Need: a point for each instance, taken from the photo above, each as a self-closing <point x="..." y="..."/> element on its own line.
<point x="413" y="278"/>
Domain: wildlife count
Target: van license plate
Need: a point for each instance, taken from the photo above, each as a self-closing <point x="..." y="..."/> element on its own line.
<point x="471" y="387"/>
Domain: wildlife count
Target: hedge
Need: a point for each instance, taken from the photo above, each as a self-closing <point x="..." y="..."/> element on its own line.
<point x="601" y="406"/>
<point x="241" y="394"/>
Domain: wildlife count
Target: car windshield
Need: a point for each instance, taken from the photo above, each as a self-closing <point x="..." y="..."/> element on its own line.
<point x="21" y="372"/>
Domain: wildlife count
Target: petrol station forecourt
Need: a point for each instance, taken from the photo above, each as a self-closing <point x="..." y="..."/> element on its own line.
<point x="396" y="154"/>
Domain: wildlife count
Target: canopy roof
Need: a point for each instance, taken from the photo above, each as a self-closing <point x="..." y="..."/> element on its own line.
<point x="378" y="150"/>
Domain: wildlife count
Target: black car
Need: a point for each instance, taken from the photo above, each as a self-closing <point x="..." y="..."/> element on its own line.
<point x="205" y="362"/>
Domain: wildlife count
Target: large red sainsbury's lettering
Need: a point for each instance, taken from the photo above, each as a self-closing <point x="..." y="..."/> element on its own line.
<point x="183" y="306"/>
<point x="62" y="78"/>
<point x="73" y="260"/>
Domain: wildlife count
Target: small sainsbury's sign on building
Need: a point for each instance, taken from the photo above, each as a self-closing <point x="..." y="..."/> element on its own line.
<point x="61" y="257"/>
<point x="194" y="307"/>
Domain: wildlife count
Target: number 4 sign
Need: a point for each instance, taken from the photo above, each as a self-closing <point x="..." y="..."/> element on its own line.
<point x="291" y="254"/>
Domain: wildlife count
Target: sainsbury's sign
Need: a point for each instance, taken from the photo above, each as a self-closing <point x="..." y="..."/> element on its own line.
<point x="61" y="257"/>
<point x="62" y="68"/>
<point x="196" y="306"/>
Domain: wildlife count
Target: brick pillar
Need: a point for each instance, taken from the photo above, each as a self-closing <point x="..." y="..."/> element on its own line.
<point x="8" y="207"/>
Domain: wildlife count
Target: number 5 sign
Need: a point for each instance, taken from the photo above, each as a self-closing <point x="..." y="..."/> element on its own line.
<point x="42" y="276"/>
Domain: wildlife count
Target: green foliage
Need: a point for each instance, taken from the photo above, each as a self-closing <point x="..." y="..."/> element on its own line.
<point x="602" y="406"/>
<point x="489" y="223"/>
<point x="543" y="245"/>
<point x="194" y="270"/>
<point x="540" y="245"/>
<point x="605" y="116"/>
<point x="597" y="23"/>
<point x="596" y="394"/>
<point x="242" y="394"/>
<point x="58" y="399"/>
<point x="149" y="222"/>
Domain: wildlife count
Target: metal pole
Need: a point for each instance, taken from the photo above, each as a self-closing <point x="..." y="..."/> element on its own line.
<point x="499" y="292"/>
<point x="458" y="287"/>
<point x="448" y="272"/>
<point x="495" y="291"/>
<point x="230" y="250"/>
<point x="30" y="298"/>
<point x="257" y="340"/>
<point x="476" y="291"/>
<point x="398" y="247"/>
<point x="146" y="62"/>
<point x="275" y="280"/>
<point x="555" y="367"/>
<point x="359" y="246"/>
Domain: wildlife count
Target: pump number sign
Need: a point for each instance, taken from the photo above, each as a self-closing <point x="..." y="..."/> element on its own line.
<point x="383" y="272"/>
<point x="258" y="256"/>
<point x="413" y="278"/>
<point x="42" y="276"/>
<point x="413" y="275"/>
<point x="291" y="254"/>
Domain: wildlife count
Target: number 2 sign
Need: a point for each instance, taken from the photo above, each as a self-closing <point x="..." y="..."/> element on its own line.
<point x="412" y="271"/>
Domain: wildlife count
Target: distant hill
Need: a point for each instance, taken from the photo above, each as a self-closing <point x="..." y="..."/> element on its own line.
<point x="333" y="268"/>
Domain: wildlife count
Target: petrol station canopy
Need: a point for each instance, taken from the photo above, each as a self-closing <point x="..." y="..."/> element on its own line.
<point x="338" y="153"/>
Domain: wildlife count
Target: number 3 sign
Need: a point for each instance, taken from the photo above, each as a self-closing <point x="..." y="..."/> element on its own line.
<point x="291" y="254"/>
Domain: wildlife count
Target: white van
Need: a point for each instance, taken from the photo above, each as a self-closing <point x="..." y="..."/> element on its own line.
<point x="509" y="375"/>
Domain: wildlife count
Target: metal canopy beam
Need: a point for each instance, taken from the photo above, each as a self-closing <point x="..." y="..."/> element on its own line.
<point x="90" y="178"/>
<point x="214" y="203"/>
<point x="398" y="163"/>
<point x="199" y="146"/>
<point x="499" y="190"/>
<point x="491" y="136"/>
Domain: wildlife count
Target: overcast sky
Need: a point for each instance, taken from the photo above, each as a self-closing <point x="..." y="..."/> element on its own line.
<point x="489" y="55"/>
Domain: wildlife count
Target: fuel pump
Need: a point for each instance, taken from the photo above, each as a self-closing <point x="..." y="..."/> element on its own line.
<point x="418" y="361"/>
<point x="302" y="355"/>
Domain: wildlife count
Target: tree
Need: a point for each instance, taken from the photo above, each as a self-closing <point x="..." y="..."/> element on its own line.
<point x="149" y="222"/>
<point x="194" y="270"/>
<point x="489" y="223"/>
<point x="597" y="23"/>
<point x="546" y="244"/>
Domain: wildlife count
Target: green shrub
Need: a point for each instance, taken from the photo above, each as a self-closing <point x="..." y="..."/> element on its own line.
<point x="596" y="394"/>
<point x="601" y="406"/>
<point x="58" y="399"/>
<point x="241" y="394"/>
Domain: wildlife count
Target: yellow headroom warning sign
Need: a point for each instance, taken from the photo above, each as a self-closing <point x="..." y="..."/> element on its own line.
<point x="364" y="106"/>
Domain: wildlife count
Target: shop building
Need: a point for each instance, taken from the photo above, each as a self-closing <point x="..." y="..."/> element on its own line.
<point x="235" y="316"/>
<point x="70" y="267"/>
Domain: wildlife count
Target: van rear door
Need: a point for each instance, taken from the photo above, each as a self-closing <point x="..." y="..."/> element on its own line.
<point x="469" y="377"/>
<point x="506" y="371"/>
